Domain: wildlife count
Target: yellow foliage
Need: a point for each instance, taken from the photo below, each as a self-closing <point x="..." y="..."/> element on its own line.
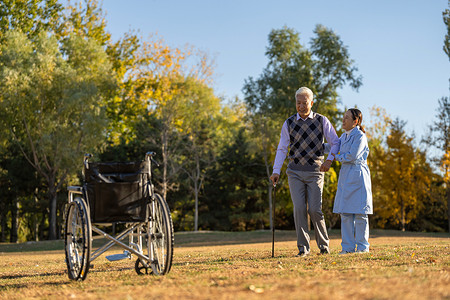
<point x="378" y="123"/>
<point x="400" y="175"/>
<point x="445" y="166"/>
<point x="153" y="79"/>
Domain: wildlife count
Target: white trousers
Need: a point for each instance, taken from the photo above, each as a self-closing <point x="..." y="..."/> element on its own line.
<point x="355" y="232"/>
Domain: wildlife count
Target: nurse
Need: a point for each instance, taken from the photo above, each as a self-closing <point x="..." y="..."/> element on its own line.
<point x="353" y="199"/>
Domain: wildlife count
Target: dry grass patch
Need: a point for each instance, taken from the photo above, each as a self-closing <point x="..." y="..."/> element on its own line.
<point x="399" y="266"/>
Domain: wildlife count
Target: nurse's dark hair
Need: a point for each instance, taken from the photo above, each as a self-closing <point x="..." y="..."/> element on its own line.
<point x="357" y="115"/>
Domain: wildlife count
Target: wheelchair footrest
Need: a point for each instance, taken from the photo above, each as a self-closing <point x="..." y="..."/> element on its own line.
<point x="114" y="257"/>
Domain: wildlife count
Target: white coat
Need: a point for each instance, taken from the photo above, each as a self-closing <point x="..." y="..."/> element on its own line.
<point x="354" y="191"/>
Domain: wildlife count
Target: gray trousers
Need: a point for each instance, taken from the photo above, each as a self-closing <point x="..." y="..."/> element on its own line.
<point x="306" y="186"/>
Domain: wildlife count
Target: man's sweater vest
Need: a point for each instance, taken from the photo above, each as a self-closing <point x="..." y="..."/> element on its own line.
<point x="306" y="150"/>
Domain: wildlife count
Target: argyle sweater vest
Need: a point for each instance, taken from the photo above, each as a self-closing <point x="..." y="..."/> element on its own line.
<point x="306" y="150"/>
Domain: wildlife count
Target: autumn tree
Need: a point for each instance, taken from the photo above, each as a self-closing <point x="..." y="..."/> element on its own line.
<point x="399" y="178"/>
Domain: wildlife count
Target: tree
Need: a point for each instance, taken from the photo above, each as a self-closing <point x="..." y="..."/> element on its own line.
<point x="31" y="17"/>
<point x="86" y="20"/>
<point x="201" y="108"/>
<point x="235" y="188"/>
<point x="439" y="137"/>
<point x="324" y="68"/>
<point x="445" y="122"/>
<point x="20" y="185"/>
<point x="164" y="101"/>
<point x="446" y="18"/>
<point x="400" y="177"/>
<point x="52" y="103"/>
<point x="377" y="126"/>
<point x="75" y="18"/>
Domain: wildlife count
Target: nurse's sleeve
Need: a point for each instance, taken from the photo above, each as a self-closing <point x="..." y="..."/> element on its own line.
<point x="356" y="150"/>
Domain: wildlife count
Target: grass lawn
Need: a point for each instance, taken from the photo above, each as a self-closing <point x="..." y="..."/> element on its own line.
<point x="238" y="265"/>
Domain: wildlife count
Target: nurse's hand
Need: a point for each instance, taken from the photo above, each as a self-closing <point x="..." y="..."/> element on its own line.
<point x="325" y="166"/>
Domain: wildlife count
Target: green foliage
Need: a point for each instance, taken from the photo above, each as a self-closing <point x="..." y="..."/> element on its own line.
<point x="51" y="96"/>
<point x="324" y="68"/>
<point x="51" y="101"/>
<point x="86" y="20"/>
<point x="432" y="217"/>
<point x="235" y="190"/>
<point x="332" y="68"/>
<point x="439" y="135"/>
<point x="30" y="17"/>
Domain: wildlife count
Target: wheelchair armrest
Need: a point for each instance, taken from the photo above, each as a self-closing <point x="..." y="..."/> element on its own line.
<point x="75" y="189"/>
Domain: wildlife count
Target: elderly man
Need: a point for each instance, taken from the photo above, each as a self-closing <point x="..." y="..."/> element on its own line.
<point x="304" y="134"/>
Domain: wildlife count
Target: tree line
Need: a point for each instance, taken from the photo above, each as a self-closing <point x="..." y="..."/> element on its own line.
<point x="68" y="88"/>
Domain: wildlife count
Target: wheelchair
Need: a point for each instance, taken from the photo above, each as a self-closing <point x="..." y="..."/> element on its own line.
<point x="118" y="193"/>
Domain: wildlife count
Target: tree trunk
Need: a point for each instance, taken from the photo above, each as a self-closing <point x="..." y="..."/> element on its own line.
<point x="403" y="215"/>
<point x="165" y="163"/>
<point x="52" y="216"/>
<point x="3" y="226"/>
<point x="14" y="221"/>
<point x="196" y="178"/>
<point x="42" y="225"/>
<point x="35" y="219"/>
<point x="35" y="228"/>
<point x="196" y="208"/>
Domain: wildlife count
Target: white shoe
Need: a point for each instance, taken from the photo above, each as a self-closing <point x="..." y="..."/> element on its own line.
<point x="362" y="251"/>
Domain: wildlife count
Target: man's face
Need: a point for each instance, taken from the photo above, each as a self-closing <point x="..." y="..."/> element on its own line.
<point x="303" y="105"/>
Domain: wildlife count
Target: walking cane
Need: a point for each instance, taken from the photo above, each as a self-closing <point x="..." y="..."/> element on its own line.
<point x="273" y="220"/>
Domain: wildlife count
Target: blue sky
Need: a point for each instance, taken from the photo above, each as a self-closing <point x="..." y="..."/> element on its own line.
<point x="396" y="44"/>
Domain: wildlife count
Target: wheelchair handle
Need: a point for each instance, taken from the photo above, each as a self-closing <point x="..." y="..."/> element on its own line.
<point x="149" y="155"/>
<point x="86" y="160"/>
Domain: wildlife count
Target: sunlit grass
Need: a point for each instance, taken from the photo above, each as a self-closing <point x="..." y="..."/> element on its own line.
<point x="399" y="266"/>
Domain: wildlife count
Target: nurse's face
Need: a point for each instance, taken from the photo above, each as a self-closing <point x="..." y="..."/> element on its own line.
<point x="347" y="122"/>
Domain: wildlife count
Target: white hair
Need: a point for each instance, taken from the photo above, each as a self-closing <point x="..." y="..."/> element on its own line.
<point x="304" y="91"/>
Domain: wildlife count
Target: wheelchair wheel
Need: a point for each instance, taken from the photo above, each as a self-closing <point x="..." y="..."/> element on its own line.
<point x="161" y="239"/>
<point x="77" y="239"/>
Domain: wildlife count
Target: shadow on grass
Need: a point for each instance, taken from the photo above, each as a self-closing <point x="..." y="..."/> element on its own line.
<point x="374" y="233"/>
<point x="30" y="283"/>
<point x="215" y="238"/>
<point x="16" y="276"/>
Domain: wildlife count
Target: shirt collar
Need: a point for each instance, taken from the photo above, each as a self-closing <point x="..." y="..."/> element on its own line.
<point x="310" y="116"/>
<point x="350" y="131"/>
